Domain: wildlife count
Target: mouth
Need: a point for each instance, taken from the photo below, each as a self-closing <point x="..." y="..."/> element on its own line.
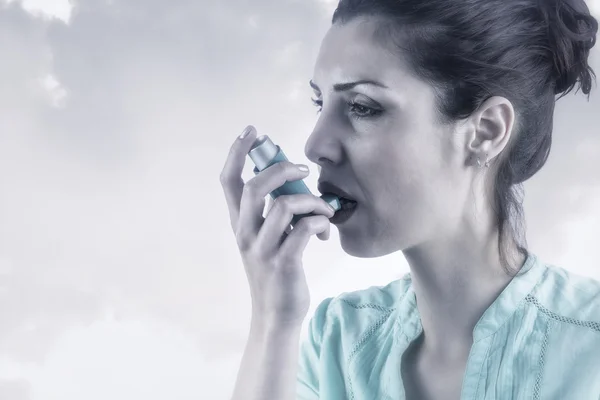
<point x="347" y="210"/>
<point x="346" y="200"/>
<point x="347" y="204"/>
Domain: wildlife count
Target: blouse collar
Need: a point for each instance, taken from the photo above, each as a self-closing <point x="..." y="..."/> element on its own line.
<point x="408" y="323"/>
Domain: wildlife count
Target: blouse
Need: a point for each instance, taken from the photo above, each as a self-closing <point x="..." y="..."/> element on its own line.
<point x="540" y="339"/>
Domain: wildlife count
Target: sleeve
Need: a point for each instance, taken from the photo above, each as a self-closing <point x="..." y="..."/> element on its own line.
<point x="307" y="382"/>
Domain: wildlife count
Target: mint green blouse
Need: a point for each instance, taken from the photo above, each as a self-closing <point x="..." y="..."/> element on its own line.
<point x="540" y="339"/>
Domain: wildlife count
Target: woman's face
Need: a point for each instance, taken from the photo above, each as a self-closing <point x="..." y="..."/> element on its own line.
<point x="409" y="175"/>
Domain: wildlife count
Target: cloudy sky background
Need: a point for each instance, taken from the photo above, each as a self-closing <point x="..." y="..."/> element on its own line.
<point x="119" y="273"/>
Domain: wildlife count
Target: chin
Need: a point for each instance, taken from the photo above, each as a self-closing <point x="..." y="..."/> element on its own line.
<point x="369" y="248"/>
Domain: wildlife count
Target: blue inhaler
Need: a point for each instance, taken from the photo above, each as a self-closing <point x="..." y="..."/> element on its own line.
<point x="265" y="153"/>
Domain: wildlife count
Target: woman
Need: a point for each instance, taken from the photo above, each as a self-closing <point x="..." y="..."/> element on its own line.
<point x="454" y="115"/>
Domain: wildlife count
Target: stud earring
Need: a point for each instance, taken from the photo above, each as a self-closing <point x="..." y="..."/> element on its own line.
<point x="487" y="162"/>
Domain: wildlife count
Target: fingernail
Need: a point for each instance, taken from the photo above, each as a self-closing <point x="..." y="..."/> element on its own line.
<point x="302" y="167"/>
<point x="246" y="132"/>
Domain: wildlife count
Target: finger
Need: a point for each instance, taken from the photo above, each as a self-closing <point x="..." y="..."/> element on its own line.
<point x="281" y="215"/>
<point x="283" y="237"/>
<point x="253" y="197"/>
<point x="324" y="236"/>
<point x="231" y="176"/>
<point x="268" y="206"/>
<point x="294" y="245"/>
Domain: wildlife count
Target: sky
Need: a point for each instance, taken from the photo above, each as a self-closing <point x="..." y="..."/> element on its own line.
<point x="119" y="273"/>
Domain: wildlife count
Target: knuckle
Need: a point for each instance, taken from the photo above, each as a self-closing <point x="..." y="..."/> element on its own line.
<point x="284" y="165"/>
<point x="233" y="149"/>
<point x="223" y="178"/>
<point x="253" y="254"/>
<point x="244" y="244"/>
<point x="250" y="187"/>
<point x="305" y="224"/>
<point x="284" y="203"/>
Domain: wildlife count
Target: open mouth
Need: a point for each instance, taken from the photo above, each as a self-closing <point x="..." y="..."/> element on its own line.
<point x="347" y="204"/>
<point x="344" y="203"/>
<point x="347" y="210"/>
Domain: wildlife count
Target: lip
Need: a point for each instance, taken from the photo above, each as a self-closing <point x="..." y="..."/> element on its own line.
<point x="328" y="187"/>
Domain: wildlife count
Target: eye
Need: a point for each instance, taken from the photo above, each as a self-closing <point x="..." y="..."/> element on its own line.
<point x="318" y="103"/>
<point x="363" y="111"/>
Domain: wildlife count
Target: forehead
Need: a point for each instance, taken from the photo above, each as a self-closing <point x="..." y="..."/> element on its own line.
<point x="349" y="52"/>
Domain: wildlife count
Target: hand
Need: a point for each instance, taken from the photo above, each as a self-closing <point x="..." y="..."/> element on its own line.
<point x="272" y="258"/>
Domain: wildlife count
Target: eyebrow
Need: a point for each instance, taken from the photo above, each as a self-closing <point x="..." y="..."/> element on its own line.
<point x="340" y="87"/>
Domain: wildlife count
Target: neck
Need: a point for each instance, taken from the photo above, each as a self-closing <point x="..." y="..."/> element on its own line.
<point x="454" y="282"/>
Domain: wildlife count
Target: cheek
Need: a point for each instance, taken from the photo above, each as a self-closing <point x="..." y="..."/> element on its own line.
<point x="414" y="185"/>
<point x="400" y="190"/>
<point x="400" y="169"/>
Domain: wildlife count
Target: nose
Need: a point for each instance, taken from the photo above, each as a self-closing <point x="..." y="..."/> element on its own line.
<point x="323" y="147"/>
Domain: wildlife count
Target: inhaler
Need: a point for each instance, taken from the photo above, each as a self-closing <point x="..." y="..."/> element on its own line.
<point x="265" y="153"/>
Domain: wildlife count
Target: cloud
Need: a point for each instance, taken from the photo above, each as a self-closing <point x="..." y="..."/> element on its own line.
<point x="140" y="358"/>
<point x="112" y="112"/>
<point x="116" y="121"/>
<point x="45" y="9"/>
<point x="18" y="389"/>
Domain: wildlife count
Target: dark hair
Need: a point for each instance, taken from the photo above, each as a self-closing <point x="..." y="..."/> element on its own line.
<point x="527" y="51"/>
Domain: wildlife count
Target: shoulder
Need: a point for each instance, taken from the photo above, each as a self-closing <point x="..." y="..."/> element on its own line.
<point x="569" y="297"/>
<point x="356" y="311"/>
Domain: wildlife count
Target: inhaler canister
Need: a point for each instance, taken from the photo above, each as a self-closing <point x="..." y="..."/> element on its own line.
<point x="265" y="153"/>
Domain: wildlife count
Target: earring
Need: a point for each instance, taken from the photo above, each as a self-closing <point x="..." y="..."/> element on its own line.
<point x="487" y="162"/>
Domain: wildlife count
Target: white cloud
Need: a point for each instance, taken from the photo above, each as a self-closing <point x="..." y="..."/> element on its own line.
<point x="60" y="9"/>
<point x="594" y="6"/>
<point x="54" y="93"/>
<point x="132" y="359"/>
<point x="253" y="20"/>
<point x="115" y="129"/>
<point x="288" y="55"/>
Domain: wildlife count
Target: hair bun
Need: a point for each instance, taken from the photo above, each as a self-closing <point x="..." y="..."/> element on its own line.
<point x="572" y="33"/>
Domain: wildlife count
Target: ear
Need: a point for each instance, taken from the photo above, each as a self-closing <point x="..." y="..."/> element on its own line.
<point x="493" y="123"/>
